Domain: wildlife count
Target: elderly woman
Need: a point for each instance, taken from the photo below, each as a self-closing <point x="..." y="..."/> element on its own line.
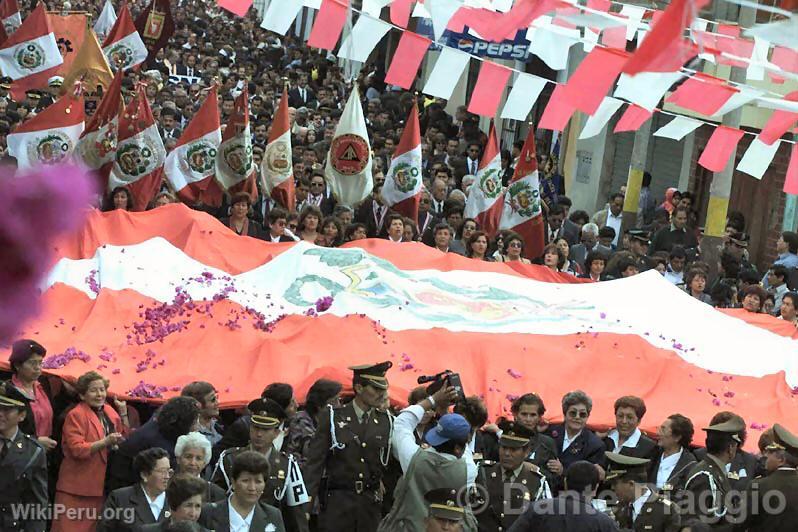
<point x="302" y="426"/>
<point x="91" y="429"/>
<point x="26" y="365"/>
<point x="145" y="500"/>
<point x="573" y="439"/>
<point x="193" y="454"/>
<point x="238" y="221"/>
<point x="308" y="226"/>
<point x="514" y="249"/>
<point x="627" y="438"/>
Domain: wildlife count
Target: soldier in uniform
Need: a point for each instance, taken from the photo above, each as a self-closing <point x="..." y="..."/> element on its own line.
<point x="707" y="482"/>
<point x="445" y="511"/>
<point x="639" y="508"/>
<point x="264" y="428"/>
<point x="638" y="245"/>
<point x="506" y="487"/>
<point x="351" y="447"/>
<point x="23" y="467"/>
<point x="781" y="482"/>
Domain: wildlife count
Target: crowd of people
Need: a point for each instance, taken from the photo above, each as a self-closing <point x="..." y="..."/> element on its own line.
<point x="76" y="459"/>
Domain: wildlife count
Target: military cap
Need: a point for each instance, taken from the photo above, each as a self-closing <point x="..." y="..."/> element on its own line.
<point x="266" y="413"/>
<point x="10" y="397"/>
<point x="444" y="504"/>
<point x="640" y="234"/>
<point x="514" y="435"/>
<point x="5" y="83"/>
<point x="33" y="95"/>
<point x="783" y="440"/>
<point x="732" y="426"/>
<point x="374" y="374"/>
<point x="620" y="465"/>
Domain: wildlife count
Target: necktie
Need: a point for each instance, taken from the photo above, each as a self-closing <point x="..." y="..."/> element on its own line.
<point x="508" y="476"/>
<point x="4" y="445"/>
<point x="473" y="168"/>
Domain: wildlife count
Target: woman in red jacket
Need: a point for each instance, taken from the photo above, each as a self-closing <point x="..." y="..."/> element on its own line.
<point x="91" y="429"/>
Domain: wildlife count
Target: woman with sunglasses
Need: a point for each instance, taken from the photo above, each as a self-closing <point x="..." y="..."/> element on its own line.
<point x="514" y="249"/>
<point x="574" y="440"/>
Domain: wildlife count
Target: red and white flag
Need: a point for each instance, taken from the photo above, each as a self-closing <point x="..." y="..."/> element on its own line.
<point x="30" y="56"/>
<point x="522" y="211"/>
<point x="50" y="136"/>
<point x="97" y="145"/>
<point x="9" y="14"/>
<point x="402" y="188"/>
<point x="191" y="165"/>
<point x="276" y="170"/>
<point x="484" y="202"/>
<point x="235" y="169"/>
<point x="124" y="47"/>
<point x="140" y="154"/>
<point x="105" y="22"/>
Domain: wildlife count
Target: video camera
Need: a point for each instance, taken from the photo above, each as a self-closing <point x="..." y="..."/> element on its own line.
<point x="444" y="378"/>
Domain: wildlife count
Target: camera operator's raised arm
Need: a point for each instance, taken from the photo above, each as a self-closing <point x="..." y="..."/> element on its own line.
<point x="404" y="441"/>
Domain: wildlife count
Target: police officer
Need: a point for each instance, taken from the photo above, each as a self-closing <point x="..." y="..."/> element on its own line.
<point x="23" y="468"/>
<point x="707" y="482"/>
<point x="352" y="445"/>
<point x="285" y="489"/>
<point x="639" y="507"/>
<point x="506" y="487"/>
<point x="445" y="511"/>
<point x="781" y="483"/>
<point x="638" y="245"/>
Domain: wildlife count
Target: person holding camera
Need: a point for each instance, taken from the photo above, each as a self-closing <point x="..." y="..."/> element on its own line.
<point x="443" y="461"/>
<point x="352" y="446"/>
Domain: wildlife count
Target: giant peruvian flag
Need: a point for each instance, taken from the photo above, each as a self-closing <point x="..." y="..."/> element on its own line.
<point x="30" y="56"/>
<point x="97" y="146"/>
<point x="138" y="163"/>
<point x="484" y="202"/>
<point x="522" y="212"/>
<point x="50" y="136"/>
<point x="10" y="16"/>
<point x="124" y="47"/>
<point x="402" y="188"/>
<point x="133" y="295"/>
<point x="235" y="169"/>
<point x="276" y="170"/>
<point x="190" y="167"/>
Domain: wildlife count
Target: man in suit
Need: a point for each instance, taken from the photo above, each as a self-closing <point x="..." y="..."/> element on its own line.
<point x="558" y="226"/>
<point x="188" y="67"/>
<point x="639" y="507"/>
<point x="626" y="438"/>
<point x="472" y="158"/>
<point x="782" y="479"/>
<point x="438" y="197"/>
<point x="351" y="445"/>
<point x="570" y="510"/>
<point x="426" y="220"/>
<point x="708" y="480"/>
<point x="145" y="500"/>
<point x="318" y="195"/>
<point x="23" y="465"/>
<point x="372" y="212"/>
<point x="507" y="486"/>
<point x="302" y="95"/>
<point x="589" y="243"/>
<point x="243" y="510"/>
<point x="169" y="129"/>
<point x="277" y="231"/>
<point x="612" y="216"/>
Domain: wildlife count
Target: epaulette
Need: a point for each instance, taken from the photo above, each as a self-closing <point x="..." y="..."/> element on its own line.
<point x="488" y="463"/>
<point x="534" y="469"/>
<point x="665" y="501"/>
<point x="33" y="440"/>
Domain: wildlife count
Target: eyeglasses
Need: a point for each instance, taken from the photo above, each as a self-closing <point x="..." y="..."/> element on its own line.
<point x="164" y="472"/>
<point x="292" y="226"/>
<point x="577" y="415"/>
<point x="317" y="184"/>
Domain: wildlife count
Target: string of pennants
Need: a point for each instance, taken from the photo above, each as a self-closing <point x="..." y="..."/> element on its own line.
<point x="587" y="87"/>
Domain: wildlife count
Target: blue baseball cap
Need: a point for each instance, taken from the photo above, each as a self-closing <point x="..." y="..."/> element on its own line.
<point x="449" y="427"/>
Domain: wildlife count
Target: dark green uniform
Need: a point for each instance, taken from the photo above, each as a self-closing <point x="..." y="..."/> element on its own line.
<point x="657" y="514"/>
<point x="707" y="483"/>
<point x="23" y="484"/>
<point x="353" y="466"/>
<point x="498" y="513"/>
<point x="273" y="495"/>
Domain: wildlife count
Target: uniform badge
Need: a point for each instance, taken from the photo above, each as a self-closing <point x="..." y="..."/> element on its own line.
<point x="523" y="481"/>
<point x="281" y="474"/>
<point x="527" y="497"/>
<point x="493" y="475"/>
<point x="19" y="445"/>
<point x="342" y="424"/>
